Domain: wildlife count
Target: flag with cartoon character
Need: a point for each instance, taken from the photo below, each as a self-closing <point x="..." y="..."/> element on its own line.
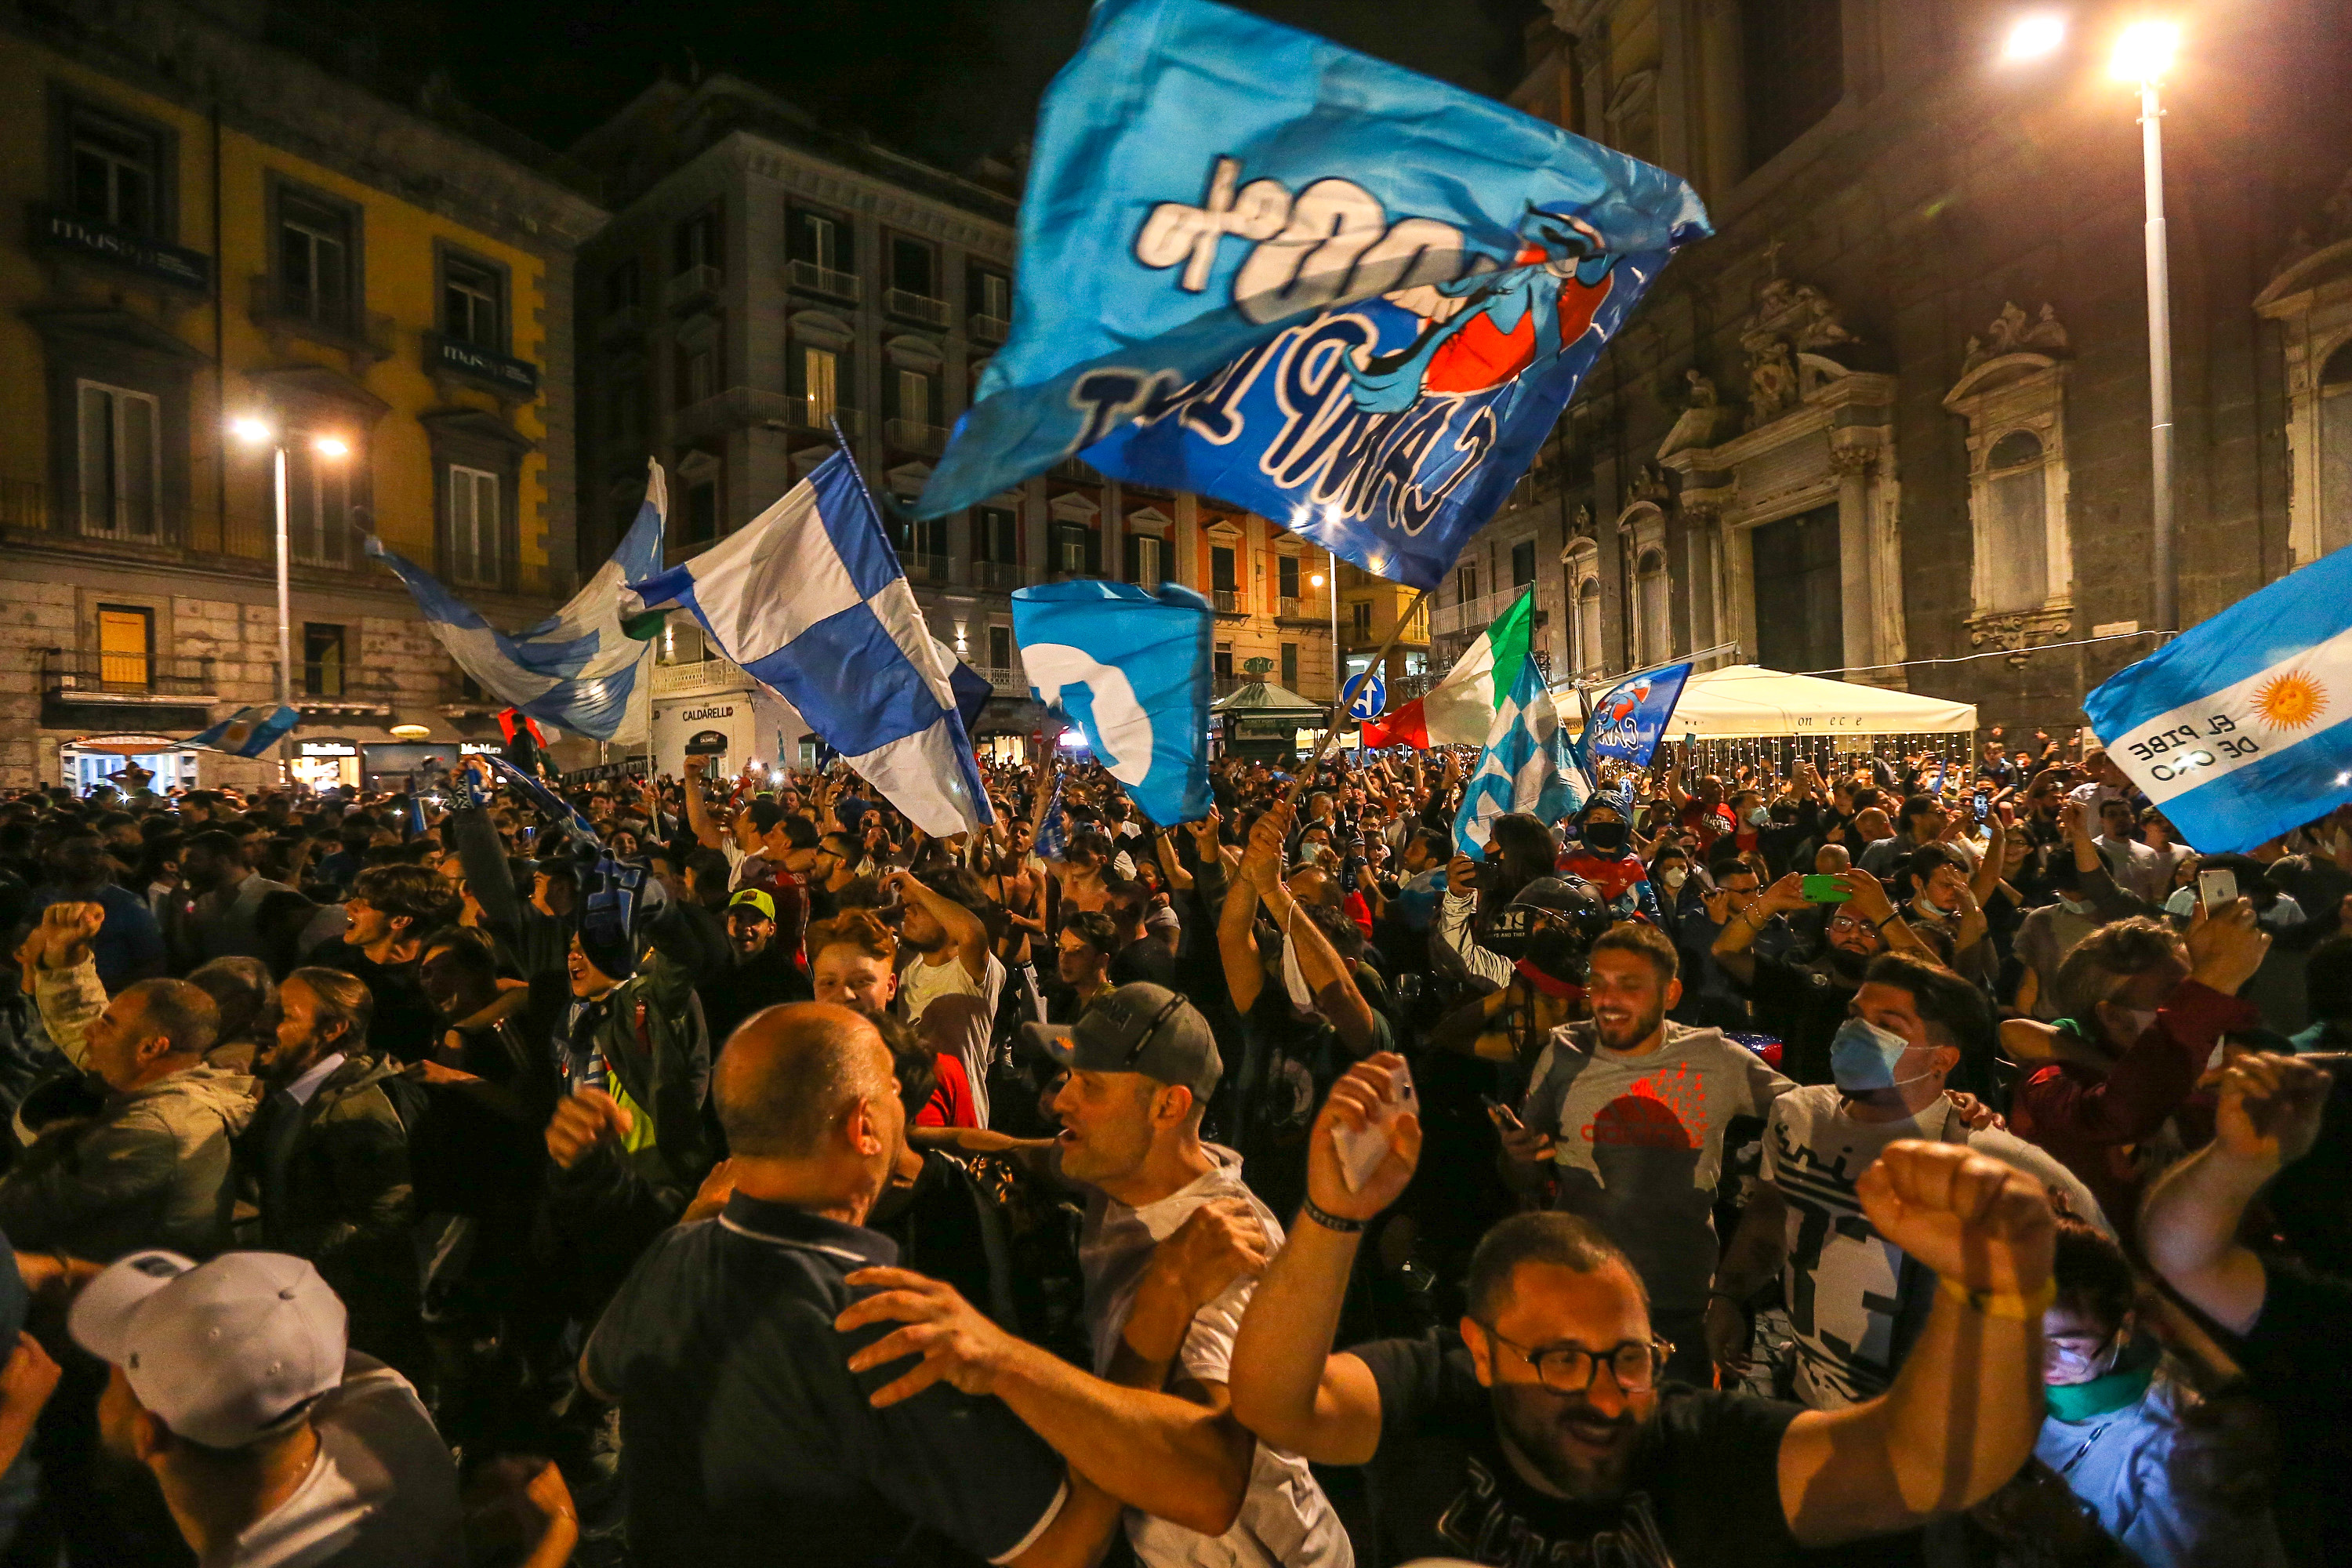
<point x="1262" y="268"/>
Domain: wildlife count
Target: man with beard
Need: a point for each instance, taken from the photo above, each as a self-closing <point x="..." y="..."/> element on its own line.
<point x="1171" y="1239"/>
<point x="1804" y="1003"/>
<point x="950" y="991"/>
<point x="1629" y="1112"/>
<point x="765" y="970"/>
<point x="1854" y="1304"/>
<point x="1538" y="1430"/>
<point x="223" y="921"/>
<point x="392" y="909"/>
<point x="328" y="1153"/>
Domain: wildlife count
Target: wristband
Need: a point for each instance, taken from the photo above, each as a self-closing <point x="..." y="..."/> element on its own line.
<point x="1329" y="1220"/>
<point x="1889" y="920"/>
<point x="2002" y="1303"/>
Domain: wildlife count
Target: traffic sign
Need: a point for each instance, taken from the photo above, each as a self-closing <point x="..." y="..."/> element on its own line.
<point x="1367" y="695"/>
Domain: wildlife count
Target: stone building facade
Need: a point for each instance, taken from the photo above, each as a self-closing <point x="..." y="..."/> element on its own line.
<point x="1895" y="413"/>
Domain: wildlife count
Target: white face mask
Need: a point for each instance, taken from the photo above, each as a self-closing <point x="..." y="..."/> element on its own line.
<point x="1674" y="877"/>
<point x="1294" y="979"/>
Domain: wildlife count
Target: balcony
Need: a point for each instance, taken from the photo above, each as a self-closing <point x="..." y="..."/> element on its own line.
<point x="913" y="436"/>
<point x="1006" y="681"/>
<point x="998" y="576"/>
<point x="818" y="279"/>
<point x="691" y="287"/>
<point x="933" y="570"/>
<point x="1470" y="614"/>
<point x="55" y="229"/>
<point x="915" y="307"/>
<point x="987" y="329"/>
<point x="341" y="691"/>
<point x="1227" y="602"/>
<point x="284" y="309"/>
<point x="708" y="677"/>
<point x="1308" y="609"/>
<point x="512" y="379"/>
<point x="618" y="326"/>
<point x="78" y="675"/>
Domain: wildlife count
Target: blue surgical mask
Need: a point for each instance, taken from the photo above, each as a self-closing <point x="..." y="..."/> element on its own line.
<point x="1863" y="1056"/>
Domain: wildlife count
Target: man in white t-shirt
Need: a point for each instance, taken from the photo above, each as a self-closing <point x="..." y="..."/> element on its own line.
<point x="273" y="1443"/>
<point x="950" y="989"/>
<point x="1854" y="1301"/>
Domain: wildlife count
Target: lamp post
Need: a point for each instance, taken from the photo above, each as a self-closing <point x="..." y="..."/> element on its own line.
<point x="255" y="431"/>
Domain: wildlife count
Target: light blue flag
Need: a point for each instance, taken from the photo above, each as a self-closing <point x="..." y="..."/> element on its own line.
<point x="1627" y="724"/>
<point x="249" y="731"/>
<point x="1260" y="266"/>
<point x="809" y="598"/>
<point x="576" y="669"/>
<point x="1131" y="666"/>
<point x="2236" y="728"/>
<point x="1526" y="766"/>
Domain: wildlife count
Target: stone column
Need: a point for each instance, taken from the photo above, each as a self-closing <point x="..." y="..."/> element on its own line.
<point x="1857" y="599"/>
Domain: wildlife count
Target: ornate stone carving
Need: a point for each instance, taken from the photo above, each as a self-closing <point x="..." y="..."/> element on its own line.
<point x="1787" y="319"/>
<point x="1583" y="527"/>
<point x="2010" y="333"/>
<point x="2018" y="632"/>
<point x="1771" y="379"/>
<point x="1701" y="417"/>
<point x="1650" y="485"/>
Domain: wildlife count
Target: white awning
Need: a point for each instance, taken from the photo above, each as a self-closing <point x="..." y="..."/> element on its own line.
<point x="1748" y="700"/>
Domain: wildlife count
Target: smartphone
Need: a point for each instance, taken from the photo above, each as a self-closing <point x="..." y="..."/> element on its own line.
<point x="1983" y="804"/>
<point x="1818" y="889"/>
<point x="2216" y="888"/>
<point x="1503" y="1114"/>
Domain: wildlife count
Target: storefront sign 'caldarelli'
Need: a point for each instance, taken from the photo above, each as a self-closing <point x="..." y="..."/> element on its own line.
<point x="1263" y="268"/>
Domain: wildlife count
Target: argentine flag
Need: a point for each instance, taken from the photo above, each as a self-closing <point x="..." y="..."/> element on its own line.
<point x="576" y="669"/>
<point x="809" y="598"/>
<point x="2237" y="729"/>
<point x="249" y="731"/>
<point x="1526" y="766"/>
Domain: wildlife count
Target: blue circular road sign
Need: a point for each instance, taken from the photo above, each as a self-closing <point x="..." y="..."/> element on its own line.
<point x="1367" y="695"/>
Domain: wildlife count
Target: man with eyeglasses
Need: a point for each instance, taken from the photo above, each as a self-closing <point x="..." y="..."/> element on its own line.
<point x="1540" y="1431"/>
<point x="1804" y="1002"/>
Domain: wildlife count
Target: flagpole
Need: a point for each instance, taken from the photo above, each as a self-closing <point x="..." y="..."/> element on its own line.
<point x="1338" y="699"/>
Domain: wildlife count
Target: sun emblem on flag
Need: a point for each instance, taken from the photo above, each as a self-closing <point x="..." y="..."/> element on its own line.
<point x="2290" y="701"/>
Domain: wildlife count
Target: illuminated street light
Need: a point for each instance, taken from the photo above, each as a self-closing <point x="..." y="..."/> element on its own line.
<point x="2035" y="36"/>
<point x="255" y="430"/>
<point x="2144" y="54"/>
<point x="251" y="428"/>
<point x="1315" y="579"/>
<point x="332" y="446"/>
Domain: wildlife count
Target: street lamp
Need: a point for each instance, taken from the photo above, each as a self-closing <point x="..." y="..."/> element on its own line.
<point x="2035" y="36"/>
<point x="1339" y="663"/>
<point x="256" y="431"/>
<point x="2143" y="55"/>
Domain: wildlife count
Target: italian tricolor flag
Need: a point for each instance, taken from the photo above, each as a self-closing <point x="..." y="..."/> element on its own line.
<point x="1459" y="710"/>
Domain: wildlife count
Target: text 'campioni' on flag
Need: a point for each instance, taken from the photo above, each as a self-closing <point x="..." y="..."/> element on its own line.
<point x="1260" y="266"/>
<point x="2237" y="729"/>
<point x="809" y="598"/>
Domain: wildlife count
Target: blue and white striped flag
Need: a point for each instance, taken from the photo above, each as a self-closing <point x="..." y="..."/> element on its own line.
<point x="249" y="731"/>
<point x="2236" y="728"/>
<point x="1526" y="766"/>
<point x="576" y="669"/>
<point x="1052" y="842"/>
<point x="809" y="598"/>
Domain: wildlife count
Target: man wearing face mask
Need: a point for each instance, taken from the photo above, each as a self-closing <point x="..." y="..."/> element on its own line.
<point x="1603" y="856"/>
<point x="1804" y="1002"/>
<point x="1855" y="1307"/>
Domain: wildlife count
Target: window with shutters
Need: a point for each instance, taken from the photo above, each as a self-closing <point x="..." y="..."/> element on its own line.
<point x="473" y="302"/>
<point x="1523" y="562"/>
<point x="126" y="646"/>
<point x="996" y="535"/>
<point x="1221" y="569"/>
<point x="1285" y="578"/>
<point x="1465" y="585"/>
<point x="477" y="553"/>
<point x="319" y="504"/>
<point x="115" y="173"/>
<point x="1000" y="647"/>
<point x="1290" y="665"/>
<point x="2015" y="403"/>
<point x="322" y="660"/>
<point x="316" y="263"/>
<point x="120" y="465"/>
<point x="914" y="397"/>
<point x="1359" y="619"/>
<point x="820" y="372"/>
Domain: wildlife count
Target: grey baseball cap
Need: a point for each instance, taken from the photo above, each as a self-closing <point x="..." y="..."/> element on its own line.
<point x="1140" y="1028"/>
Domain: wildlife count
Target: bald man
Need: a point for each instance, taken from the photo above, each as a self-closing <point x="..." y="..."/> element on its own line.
<point x="745" y="1427"/>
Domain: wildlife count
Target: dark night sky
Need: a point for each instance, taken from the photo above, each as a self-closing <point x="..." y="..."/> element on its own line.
<point x="948" y="80"/>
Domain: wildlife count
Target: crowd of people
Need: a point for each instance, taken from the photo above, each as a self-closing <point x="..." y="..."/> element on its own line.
<point x="1910" y="1161"/>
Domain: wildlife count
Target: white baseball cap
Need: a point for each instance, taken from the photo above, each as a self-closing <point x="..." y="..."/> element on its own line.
<point x="220" y="1352"/>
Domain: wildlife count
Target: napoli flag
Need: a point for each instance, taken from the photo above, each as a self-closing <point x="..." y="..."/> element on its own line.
<point x="1526" y="766"/>
<point x="1260" y="266"/>
<point x="1131" y="666"/>
<point x="809" y="598"/>
<point x="1627" y="723"/>
<point x="2237" y="728"/>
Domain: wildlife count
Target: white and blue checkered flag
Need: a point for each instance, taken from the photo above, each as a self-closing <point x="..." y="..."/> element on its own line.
<point x="574" y="669"/>
<point x="1526" y="766"/>
<point x="809" y="598"/>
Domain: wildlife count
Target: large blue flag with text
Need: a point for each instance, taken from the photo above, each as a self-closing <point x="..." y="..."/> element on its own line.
<point x="2237" y="728"/>
<point x="1131" y="666"/>
<point x="1526" y="766"/>
<point x="574" y="669"/>
<point x="1627" y="724"/>
<point x="1263" y="268"/>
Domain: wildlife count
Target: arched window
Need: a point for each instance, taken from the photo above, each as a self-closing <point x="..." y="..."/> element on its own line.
<point x="2016" y="531"/>
<point x="2336" y="449"/>
<point x="1655" y="640"/>
<point x="1588" y="627"/>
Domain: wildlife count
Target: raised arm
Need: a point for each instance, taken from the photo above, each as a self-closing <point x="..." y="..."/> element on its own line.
<point x="2270" y="1115"/>
<point x="967" y="933"/>
<point x="697" y="810"/>
<point x="1237" y="944"/>
<point x="1964" y="1412"/>
<point x="1988" y="876"/>
<point x="1330" y="978"/>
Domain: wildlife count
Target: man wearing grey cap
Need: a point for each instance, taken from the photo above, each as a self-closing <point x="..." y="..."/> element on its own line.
<point x="272" y="1443"/>
<point x="1171" y="1248"/>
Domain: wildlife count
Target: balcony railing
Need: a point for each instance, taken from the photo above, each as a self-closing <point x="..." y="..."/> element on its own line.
<point x="916" y="307"/>
<point x="912" y="435"/>
<point x="709" y="675"/>
<point x="989" y="328"/>
<point x="1228" y="601"/>
<point x="921" y="567"/>
<point x="692" y="284"/>
<point x="1007" y="680"/>
<point x="359" y="691"/>
<point x="1471" y="614"/>
<point x="824" y="281"/>
<point x="1000" y="576"/>
<point x="84" y="674"/>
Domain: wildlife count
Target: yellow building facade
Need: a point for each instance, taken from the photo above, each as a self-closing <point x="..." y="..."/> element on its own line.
<point x="226" y="249"/>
